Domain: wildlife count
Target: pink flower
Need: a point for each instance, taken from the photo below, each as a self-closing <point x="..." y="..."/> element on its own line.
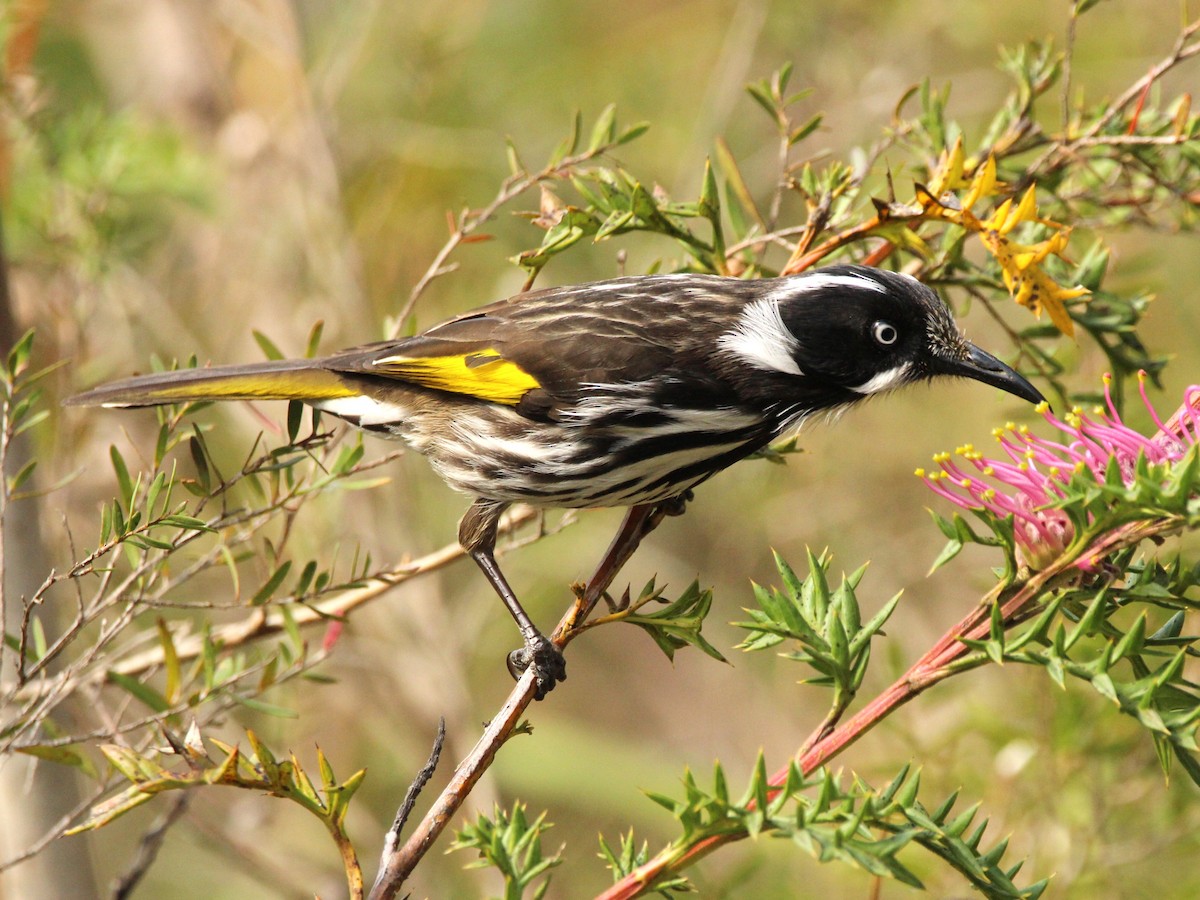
<point x="1030" y="481"/>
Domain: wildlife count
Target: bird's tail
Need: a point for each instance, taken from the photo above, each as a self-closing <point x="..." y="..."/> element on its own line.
<point x="292" y="379"/>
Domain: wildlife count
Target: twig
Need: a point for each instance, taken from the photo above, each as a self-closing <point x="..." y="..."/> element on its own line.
<point x="1181" y="51"/>
<point x="55" y="831"/>
<point x="802" y="261"/>
<point x="398" y="864"/>
<point x="392" y="838"/>
<point x="1061" y="149"/>
<point x="266" y="623"/>
<point x="148" y="847"/>
<point x="778" y="237"/>
<point x="470" y="220"/>
<point x="8" y="339"/>
<point x="1067" y="71"/>
<point x="1132" y="140"/>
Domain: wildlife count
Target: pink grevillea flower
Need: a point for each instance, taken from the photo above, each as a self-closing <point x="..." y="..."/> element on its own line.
<point x="1031" y="479"/>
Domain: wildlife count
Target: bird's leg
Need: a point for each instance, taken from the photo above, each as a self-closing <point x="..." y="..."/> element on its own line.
<point x="677" y="506"/>
<point x="639" y="522"/>
<point x="477" y="534"/>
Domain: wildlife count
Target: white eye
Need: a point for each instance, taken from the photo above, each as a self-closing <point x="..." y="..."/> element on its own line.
<point x="884" y="333"/>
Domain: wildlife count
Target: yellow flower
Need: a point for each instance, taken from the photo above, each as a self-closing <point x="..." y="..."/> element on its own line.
<point x="1027" y="282"/>
<point x="1020" y="264"/>
<point x="948" y="174"/>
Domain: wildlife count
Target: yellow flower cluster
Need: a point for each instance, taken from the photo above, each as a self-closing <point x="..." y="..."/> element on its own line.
<point x="1020" y="264"/>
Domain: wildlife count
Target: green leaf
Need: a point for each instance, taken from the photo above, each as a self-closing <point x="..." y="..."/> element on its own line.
<point x="154" y="491"/>
<point x="951" y="550"/>
<point x="124" y="482"/>
<point x="1103" y="684"/>
<point x="1169" y="630"/>
<point x="267" y="346"/>
<point x="292" y="629"/>
<point x="161" y="444"/>
<point x="801" y="132"/>
<point x="295" y="415"/>
<point x="306" y="578"/>
<point x="170" y="663"/>
<point x="15" y="482"/>
<point x="569" y="144"/>
<point x="190" y="523"/>
<point x="679" y="623"/>
<point x="875" y="623"/>
<point x="146" y="542"/>
<point x="516" y="168"/>
<point x="37" y="637"/>
<point x="265" y="592"/>
<point x="1164" y="750"/>
<point x="511" y="844"/>
<point x="139" y="690"/>
<point x="1188" y="762"/>
<point x="632" y="133"/>
<point x="106" y="524"/>
<point x="199" y="453"/>
<point x="604" y="131"/>
<point x="270" y="709"/>
<point x="313" y="345"/>
<point x="18" y="356"/>
<point x="65" y="756"/>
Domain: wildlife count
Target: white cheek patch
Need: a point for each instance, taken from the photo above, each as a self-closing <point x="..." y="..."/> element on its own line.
<point x="762" y="340"/>
<point x="884" y="381"/>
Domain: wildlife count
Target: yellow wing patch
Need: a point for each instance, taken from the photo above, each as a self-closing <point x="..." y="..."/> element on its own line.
<point x="482" y="373"/>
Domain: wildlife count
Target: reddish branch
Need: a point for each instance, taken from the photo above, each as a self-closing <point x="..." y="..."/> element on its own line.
<point x="935" y="665"/>
<point x="399" y="861"/>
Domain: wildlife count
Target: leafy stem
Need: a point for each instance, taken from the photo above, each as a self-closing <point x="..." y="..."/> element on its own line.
<point x="962" y="648"/>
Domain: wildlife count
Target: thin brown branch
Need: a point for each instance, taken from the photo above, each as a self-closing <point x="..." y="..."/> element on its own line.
<point x="1063" y="148"/>
<point x="1133" y="140"/>
<point x="1067" y="69"/>
<point x="414" y="790"/>
<point x="471" y="220"/>
<point x="398" y="863"/>
<point x="148" y="847"/>
<point x="265" y="623"/>
<point x="1180" y="52"/>
<point x="802" y="260"/>
<point x="55" y="831"/>
<point x="779" y="238"/>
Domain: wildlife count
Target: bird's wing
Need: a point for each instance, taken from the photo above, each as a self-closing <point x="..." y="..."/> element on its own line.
<point x="546" y="351"/>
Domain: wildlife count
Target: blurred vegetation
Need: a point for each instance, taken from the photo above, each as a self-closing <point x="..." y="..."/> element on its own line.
<point x="180" y="179"/>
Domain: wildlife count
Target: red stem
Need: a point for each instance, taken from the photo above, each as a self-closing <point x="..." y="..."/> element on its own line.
<point x="927" y="671"/>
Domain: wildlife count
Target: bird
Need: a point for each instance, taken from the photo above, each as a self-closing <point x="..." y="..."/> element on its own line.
<point x="616" y="393"/>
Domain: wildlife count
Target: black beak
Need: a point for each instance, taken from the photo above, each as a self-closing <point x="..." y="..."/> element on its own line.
<point x="982" y="366"/>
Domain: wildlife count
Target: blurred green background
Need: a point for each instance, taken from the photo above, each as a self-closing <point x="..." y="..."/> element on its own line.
<point x="299" y="163"/>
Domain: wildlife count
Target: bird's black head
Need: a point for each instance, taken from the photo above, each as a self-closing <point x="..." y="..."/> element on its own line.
<point x="854" y="331"/>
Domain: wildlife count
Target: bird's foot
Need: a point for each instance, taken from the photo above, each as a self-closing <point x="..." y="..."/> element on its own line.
<point x="676" y="506"/>
<point x="549" y="666"/>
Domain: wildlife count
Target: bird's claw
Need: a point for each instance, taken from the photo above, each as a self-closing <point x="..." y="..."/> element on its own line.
<point x="549" y="666"/>
<point x="676" y="506"/>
